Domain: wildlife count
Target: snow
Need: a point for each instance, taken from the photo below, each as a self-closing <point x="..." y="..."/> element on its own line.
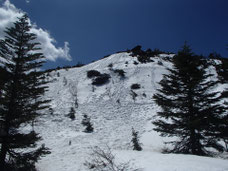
<point x="112" y="121"/>
<point x="173" y="162"/>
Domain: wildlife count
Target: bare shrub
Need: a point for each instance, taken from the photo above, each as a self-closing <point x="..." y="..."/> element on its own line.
<point x="133" y="95"/>
<point x="74" y="92"/>
<point x="104" y="160"/>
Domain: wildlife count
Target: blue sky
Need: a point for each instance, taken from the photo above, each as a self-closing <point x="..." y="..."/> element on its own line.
<point x="95" y="28"/>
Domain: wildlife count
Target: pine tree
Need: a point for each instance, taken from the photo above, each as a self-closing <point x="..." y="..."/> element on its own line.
<point x="222" y="70"/>
<point x="135" y="141"/>
<point x="72" y="113"/>
<point x="189" y="109"/>
<point x="20" y="98"/>
<point x="86" y="122"/>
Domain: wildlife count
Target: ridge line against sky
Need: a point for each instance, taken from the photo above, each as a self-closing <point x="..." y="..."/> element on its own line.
<point x="96" y="28"/>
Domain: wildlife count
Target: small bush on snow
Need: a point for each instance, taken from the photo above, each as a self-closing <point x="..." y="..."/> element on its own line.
<point x="93" y="73"/>
<point x="120" y="72"/>
<point x="135" y="86"/>
<point x="135" y="141"/>
<point x="101" y="80"/>
<point x="88" y="125"/>
<point x="104" y="160"/>
<point x="160" y="63"/>
<point x="110" y="65"/>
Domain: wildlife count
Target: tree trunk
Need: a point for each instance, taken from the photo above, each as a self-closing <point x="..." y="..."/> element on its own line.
<point x="3" y="156"/>
<point x="193" y="142"/>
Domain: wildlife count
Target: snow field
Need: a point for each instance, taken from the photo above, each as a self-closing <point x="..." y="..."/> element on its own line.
<point x="112" y="121"/>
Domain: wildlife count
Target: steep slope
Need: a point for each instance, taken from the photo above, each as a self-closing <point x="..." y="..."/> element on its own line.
<point x="113" y="112"/>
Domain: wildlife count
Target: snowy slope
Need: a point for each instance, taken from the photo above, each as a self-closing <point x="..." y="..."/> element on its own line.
<point x="113" y="113"/>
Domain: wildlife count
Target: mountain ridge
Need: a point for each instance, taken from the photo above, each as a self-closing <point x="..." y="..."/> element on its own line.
<point x="113" y="112"/>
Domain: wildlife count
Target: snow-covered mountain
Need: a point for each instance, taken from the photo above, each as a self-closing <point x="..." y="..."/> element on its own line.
<point x="114" y="108"/>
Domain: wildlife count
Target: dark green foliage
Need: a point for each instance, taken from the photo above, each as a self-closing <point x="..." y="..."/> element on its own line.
<point x="144" y="95"/>
<point x="222" y="71"/>
<point x="137" y="50"/>
<point x="101" y="80"/>
<point x="214" y="55"/>
<point x="160" y="63"/>
<point x="93" y="73"/>
<point x="189" y="111"/>
<point x="144" y="56"/>
<point x="223" y="126"/>
<point x="98" y="78"/>
<point x="20" y="98"/>
<point x="72" y="113"/>
<point x="3" y="77"/>
<point x="135" y="141"/>
<point x="21" y="163"/>
<point x="155" y="52"/>
<point x="120" y="72"/>
<point x="110" y="65"/>
<point x="144" y="59"/>
<point x="135" y="86"/>
<point x="135" y="62"/>
<point x="86" y="122"/>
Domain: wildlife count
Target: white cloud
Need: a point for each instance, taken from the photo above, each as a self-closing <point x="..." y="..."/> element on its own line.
<point x="9" y="14"/>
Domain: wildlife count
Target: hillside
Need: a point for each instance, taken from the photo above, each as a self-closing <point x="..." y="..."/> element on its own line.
<point x="113" y="111"/>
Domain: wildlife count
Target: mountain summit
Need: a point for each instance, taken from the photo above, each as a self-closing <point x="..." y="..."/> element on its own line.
<point x="115" y="93"/>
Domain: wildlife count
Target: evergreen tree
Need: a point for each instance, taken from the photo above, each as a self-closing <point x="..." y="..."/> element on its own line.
<point x="135" y="141"/>
<point x="20" y="98"/>
<point x="190" y="111"/>
<point x="86" y="122"/>
<point x="3" y="76"/>
<point x="72" y="113"/>
<point x="222" y="70"/>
